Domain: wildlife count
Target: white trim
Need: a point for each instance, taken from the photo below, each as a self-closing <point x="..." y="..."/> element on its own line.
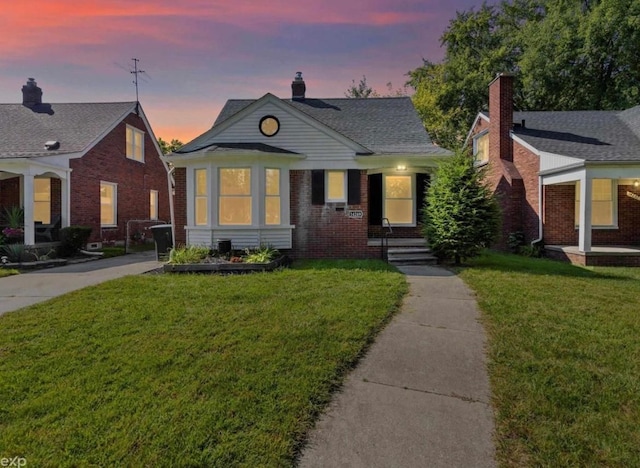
<point x="473" y="125"/>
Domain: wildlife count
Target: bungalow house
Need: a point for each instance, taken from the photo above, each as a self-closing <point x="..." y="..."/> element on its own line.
<point x="91" y="164"/>
<point x="570" y="179"/>
<point x="312" y="177"/>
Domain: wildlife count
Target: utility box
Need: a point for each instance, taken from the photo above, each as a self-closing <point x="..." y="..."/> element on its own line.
<point x="163" y="239"/>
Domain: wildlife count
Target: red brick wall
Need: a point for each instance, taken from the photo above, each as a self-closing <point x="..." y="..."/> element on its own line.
<point x="107" y="162"/>
<point x="9" y="193"/>
<point x="559" y="218"/>
<point x="321" y="231"/>
<point x="180" y="205"/>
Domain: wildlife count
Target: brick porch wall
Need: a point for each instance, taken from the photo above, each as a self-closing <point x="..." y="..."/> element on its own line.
<point x="323" y="231"/>
<point x="559" y="222"/>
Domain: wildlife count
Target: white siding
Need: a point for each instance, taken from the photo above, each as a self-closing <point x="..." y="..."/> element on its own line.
<point x="294" y="135"/>
<point x="279" y="238"/>
<point x="550" y="161"/>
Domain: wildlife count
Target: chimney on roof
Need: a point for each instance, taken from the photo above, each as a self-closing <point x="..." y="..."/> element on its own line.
<point x="501" y="116"/>
<point x="298" y="88"/>
<point x="31" y="94"/>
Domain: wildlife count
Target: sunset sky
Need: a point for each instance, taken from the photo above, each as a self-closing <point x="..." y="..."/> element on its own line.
<point x="199" y="53"/>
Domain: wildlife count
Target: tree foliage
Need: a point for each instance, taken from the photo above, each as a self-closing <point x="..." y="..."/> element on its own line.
<point x="169" y="147"/>
<point x="363" y="90"/>
<point x="566" y="55"/>
<point x="461" y="216"/>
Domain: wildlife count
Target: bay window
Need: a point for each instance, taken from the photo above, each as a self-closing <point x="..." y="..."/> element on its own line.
<point x="272" y="197"/>
<point x="201" y="198"/>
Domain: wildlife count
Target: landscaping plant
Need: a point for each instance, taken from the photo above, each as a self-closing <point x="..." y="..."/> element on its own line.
<point x="461" y="216"/>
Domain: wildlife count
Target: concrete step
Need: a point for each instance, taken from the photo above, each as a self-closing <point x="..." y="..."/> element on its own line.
<point x="399" y="242"/>
<point x="408" y="250"/>
<point x="411" y="256"/>
<point x="430" y="260"/>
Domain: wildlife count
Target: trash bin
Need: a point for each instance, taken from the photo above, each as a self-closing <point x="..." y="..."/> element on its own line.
<point x="164" y="240"/>
<point x="224" y="246"/>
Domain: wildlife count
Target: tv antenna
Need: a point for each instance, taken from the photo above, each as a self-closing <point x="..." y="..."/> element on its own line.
<point x="136" y="71"/>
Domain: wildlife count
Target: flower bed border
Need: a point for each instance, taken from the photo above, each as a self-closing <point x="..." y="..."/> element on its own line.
<point x="228" y="268"/>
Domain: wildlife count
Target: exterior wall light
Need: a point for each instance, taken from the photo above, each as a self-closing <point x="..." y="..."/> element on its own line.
<point x="401" y="167"/>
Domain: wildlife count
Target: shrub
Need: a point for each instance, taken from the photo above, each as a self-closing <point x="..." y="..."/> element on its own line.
<point x="260" y="255"/>
<point x="72" y="239"/>
<point x="17" y="253"/>
<point x="191" y="254"/>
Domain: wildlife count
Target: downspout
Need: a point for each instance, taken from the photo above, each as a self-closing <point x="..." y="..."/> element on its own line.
<point x="539" y="239"/>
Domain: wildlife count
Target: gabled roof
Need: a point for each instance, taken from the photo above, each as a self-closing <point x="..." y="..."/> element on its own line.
<point x="381" y="125"/>
<point x="589" y="135"/>
<point x="23" y="131"/>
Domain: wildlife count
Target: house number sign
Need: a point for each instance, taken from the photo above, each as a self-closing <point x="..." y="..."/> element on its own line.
<point x="355" y="214"/>
<point x="633" y="195"/>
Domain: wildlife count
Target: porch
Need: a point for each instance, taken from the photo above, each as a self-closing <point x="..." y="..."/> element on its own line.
<point x="606" y="255"/>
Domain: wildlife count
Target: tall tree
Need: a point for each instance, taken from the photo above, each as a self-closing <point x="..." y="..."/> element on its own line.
<point x="566" y="55"/>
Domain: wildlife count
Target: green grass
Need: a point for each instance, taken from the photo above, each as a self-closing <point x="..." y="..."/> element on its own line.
<point x="186" y="370"/>
<point x="8" y="272"/>
<point x="564" y="360"/>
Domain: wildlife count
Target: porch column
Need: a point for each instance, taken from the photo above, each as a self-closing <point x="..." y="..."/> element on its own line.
<point x="65" y="201"/>
<point x="27" y="203"/>
<point x="584" y="231"/>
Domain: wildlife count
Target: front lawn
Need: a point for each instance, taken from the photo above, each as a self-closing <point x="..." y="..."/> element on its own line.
<point x="175" y="370"/>
<point x="564" y="360"/>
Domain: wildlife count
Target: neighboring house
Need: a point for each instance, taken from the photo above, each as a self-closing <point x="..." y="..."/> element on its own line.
<point x="91" y="164"/>
<point x="570" y="178"/>
<point x="313" y="177"/>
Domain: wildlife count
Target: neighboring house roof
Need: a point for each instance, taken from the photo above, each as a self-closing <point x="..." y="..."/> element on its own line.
<point x="23" y="131"/>
<point x="589" y="135"/>
<point x="381" y="125"/>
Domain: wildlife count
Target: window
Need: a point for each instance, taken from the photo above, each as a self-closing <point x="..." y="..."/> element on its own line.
<point x="135" y="144"/>
<point x="42" y="200"/>
<point x="108" y="203"/>
<point x="201" y="197"/>
<point x="272" y="196"/>
<point x="269" y="125"/>
<point x="234" y="207"/>
<point x="481" y="148"/>
<point x="336" y="186"/>
<point x="398" y="199"/>
<point x="602" y="203"/>
<point x="153" y="204"/>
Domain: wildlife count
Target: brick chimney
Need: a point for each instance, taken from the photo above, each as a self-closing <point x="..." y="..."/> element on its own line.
<point x="31" y="94"/>
<point x="298" y="88"/>
<point x="501" y="117"/>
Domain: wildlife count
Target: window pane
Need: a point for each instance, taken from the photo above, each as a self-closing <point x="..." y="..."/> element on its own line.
<point x="601" y="203"/>
<point x="235" y="181"/>
<point x="201" y="181"/>
<point x="482" y="148"/>
<point x="138" y="145"/>
<point x="201" y="211"/>
<point x="42" y="200"/>
<point x="107" y="204"/>
<point x="153" y="204"/>
<point x="272" y="210"/>
<point x="235" y="210"/>
<point x="129" y="142"/>
<point x="398" y="187"/>
<point x="272" y="181"/>
<point x="399" y="211"/>
<point x="335" y="185"/>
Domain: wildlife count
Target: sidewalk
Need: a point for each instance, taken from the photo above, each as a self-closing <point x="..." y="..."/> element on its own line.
<point x="420" y="397"/>
<point x="30" y="288"/>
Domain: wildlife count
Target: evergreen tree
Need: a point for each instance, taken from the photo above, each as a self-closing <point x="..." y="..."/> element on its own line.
<point x="461" y="216"/>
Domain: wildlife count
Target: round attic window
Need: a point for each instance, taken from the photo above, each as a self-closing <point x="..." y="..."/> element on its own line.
<point x="269" y="125"/>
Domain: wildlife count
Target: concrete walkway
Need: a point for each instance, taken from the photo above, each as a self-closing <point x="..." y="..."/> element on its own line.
<point x="30" y="288"/>
<point x="420" y="397"/>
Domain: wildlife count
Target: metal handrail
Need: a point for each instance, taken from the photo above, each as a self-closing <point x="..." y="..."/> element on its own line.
<point x="384" y="245"/>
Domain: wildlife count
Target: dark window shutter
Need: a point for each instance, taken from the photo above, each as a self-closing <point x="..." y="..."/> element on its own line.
<point x="317" y="187"/>
<point x="353" y="186"/>
<point x="375" y="199"/>
<point x="422" y="184"/>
